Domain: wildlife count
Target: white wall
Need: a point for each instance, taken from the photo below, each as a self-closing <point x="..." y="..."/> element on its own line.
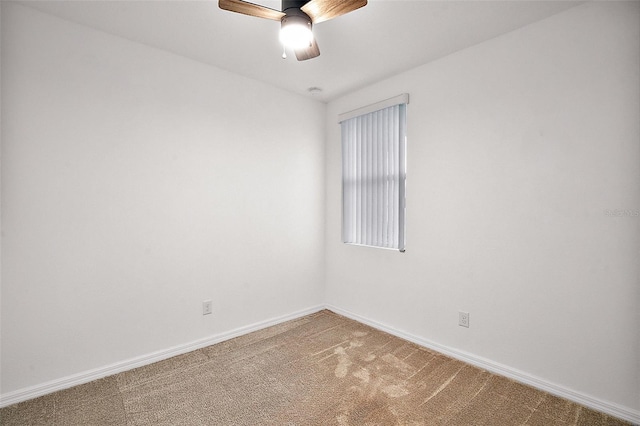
<point x="516" y="148"/>
<point x="135" y="185"/>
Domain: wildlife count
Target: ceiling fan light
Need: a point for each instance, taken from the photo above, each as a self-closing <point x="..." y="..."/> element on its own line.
<point x="295" y="32"/>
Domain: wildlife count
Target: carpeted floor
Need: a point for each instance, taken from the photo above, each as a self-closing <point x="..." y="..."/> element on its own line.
<point x="322" y="369"/>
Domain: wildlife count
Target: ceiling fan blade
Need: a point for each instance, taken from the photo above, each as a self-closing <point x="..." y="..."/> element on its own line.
<point x="308" y="52"/>
<point x="250" y="9"/>
<point x="323" y="10"/>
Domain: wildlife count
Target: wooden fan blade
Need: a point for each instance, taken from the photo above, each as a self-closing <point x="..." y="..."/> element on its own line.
<point x="323" y="10"/>
<point x="250" y="9"/>
<point x="308" y="52"/>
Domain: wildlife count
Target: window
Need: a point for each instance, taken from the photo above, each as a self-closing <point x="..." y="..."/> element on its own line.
<point x="374" y="174"/>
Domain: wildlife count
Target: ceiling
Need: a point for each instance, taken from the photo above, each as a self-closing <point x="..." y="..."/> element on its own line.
<point x="381" y="39"/>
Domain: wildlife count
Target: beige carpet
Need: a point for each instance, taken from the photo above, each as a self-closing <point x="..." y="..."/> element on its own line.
<point x="322" y="369"/>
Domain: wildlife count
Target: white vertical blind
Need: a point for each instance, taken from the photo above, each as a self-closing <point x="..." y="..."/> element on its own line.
<point x="373" y="177"/>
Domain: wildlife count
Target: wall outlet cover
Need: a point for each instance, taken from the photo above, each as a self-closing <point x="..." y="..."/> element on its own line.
<point x="207" y="308"/>
<point x="463" y="319"/>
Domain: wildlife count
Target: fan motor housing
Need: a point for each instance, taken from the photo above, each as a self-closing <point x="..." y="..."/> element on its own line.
<point x="293" y="4"/>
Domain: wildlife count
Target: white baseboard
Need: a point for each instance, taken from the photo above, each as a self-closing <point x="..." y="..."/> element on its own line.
<point x="109" y="370"/>
<point x="616" y="410"/>
<point x="486" y="364"/>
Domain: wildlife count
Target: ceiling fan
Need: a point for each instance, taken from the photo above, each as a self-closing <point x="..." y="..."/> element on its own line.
<point x="296" y="19"/>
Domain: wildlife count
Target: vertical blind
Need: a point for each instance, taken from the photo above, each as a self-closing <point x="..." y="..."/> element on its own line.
<point x="374" y="175"/>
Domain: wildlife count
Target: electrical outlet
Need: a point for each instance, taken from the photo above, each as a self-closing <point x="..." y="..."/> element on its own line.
<point x="206" y="307"/>
<point x="463" y="319"/>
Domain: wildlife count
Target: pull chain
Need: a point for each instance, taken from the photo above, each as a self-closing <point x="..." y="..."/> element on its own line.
<point x="284" y="52"/>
